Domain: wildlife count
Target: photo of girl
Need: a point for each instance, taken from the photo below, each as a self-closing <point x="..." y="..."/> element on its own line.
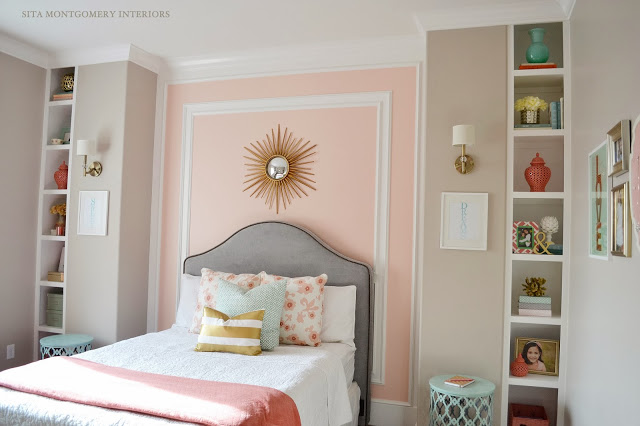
<point x="540" y="355"/>
<point x="532" y="354"/>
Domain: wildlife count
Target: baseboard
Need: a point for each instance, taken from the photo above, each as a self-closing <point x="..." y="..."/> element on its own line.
<point x="392" y="413"/>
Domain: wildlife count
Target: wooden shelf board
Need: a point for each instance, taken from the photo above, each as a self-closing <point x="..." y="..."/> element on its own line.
<point x="537" y="257"/>
<point x="524" y="133"/>
<point x="54" y="237"/>
<point x="522" y="319"/>
<point x="535" y="380"/>
<point x="538" y="195"/>
<point x="48" y="329"/>
<point x="61" y="103"/>
<point x="60" y="147"/>
<point x="54" y="284"/>
<point x="55" y="191"/>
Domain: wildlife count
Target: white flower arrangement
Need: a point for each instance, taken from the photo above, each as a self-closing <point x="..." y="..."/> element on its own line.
<point x="530" y="103"/>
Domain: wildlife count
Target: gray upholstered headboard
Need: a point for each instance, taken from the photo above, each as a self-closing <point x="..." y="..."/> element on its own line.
<point x="288" y="250"/>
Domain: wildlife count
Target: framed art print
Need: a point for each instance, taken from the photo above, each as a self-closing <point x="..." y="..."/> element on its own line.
<point x="93" y="211"/>
<point x="618" y="142"/>
<point x="598" y="203"/>
<point x="620" y="221"/>
<point x="463" y="221"/>
<point x="634" y="181"/>
<point x="523" y="237"/>
<point x="540" y="355"/>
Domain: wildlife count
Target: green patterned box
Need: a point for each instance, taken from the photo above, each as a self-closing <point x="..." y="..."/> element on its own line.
<point x="54" y="318"/>
<point x="54" y="302"/>
<point x="535" y="299"/>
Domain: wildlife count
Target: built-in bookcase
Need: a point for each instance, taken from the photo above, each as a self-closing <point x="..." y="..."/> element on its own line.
<point x="58" y="121"/>
<point x="554" y="145"/>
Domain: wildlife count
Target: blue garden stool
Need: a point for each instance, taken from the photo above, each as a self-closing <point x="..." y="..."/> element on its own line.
<point x="467" y="406"/>
<point x="64" y="344"/>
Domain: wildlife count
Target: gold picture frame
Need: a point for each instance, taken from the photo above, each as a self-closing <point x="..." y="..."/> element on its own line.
<point x="620" y="221"/>
<point x="547" y="362"/>
<point x="619" y="145"/>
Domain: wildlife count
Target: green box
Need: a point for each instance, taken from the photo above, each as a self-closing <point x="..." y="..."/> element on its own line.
<point x="54" y="302"/>
<point x="54" y="318"/>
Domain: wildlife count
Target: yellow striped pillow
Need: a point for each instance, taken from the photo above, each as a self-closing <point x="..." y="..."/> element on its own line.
<point x="240" y="334"/>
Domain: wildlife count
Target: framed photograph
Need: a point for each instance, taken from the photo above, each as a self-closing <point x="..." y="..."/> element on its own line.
<point x="620" y="221"/>
<point x="634" y="181"/>
<point x="65" y="134"/>
<point x="463" y="220"/>
<point x="541" y="355"/>
<point x="93" y="212"/>
<point x="598" y="203"/>
<point x="619" y="144"/>
<point x="523" y="237"/>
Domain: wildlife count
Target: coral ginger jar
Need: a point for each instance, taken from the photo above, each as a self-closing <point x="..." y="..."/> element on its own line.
<point x="537" y="175"/>
<point x="61" y="175"/>
<point x="519" y="368"/>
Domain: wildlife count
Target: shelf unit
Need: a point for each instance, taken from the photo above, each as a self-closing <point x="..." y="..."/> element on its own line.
<point x="554" y="145"/>
<point x="58" y="119"/>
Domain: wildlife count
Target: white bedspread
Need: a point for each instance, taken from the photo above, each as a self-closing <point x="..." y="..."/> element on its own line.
<point x="313" y="377"/>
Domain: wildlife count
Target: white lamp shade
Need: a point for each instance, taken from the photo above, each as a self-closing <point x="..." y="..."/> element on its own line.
<point x="464" y="134"/>
<point x="85" y="147"/>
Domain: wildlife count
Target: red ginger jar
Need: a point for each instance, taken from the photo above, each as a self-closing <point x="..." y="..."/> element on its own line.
<point x="537" y="175"/>
<point x="519" y="368"/>
<point x="61" y="176"/>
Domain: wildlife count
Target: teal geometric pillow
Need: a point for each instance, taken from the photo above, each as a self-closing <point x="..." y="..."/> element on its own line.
<point x="233" y="300"/>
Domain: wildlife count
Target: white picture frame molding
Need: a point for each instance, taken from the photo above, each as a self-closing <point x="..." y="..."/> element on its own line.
<point x="93" y="212"/>
<point x="463" y="220"/>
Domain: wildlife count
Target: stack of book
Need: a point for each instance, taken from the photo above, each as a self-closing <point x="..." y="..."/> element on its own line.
<point x="556" y="112"/>
<point x="536" y="306"/>
<point x="532" y="66"/>
<point x="63" y="96"/>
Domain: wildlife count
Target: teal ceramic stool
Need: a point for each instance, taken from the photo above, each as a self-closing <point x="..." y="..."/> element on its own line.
<point x="467" y="406"/>
<point x="64" y="344"/>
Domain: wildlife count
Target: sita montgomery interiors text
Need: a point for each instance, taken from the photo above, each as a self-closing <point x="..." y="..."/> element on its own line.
<point x="96" y="14"/>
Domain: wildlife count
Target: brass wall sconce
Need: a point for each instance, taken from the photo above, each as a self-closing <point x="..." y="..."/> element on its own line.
<point x="464" y="135"/>
<point x="88" y="147"/>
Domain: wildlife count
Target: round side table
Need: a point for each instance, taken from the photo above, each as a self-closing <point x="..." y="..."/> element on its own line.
<point x="470" y="405"/>
<point x="64" y="344"/>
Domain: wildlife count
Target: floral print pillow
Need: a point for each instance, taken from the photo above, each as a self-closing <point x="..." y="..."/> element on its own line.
<point x="208" y="291"/>
<point x="301" y="320"/>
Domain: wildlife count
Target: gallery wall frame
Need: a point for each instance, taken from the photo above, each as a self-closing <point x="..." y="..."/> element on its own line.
<point x="598" y="202"/>
<point x="93" y="212"/>
<point x="463" y="220"/>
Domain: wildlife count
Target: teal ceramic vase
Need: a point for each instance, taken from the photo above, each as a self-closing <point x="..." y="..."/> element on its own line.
<point x="537" y="52"/>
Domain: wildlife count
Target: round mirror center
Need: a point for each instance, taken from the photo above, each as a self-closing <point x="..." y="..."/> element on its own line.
<point x="277" y="168"/>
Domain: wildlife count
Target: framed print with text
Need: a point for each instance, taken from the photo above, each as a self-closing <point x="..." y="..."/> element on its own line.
<point x="463" y="220"/>
<point x="619" y="144"/>
<point x="93" y="211"/>
<point x="634" y="181"/>
<point x="620" y="221"/>
<point x="598" y="203"/>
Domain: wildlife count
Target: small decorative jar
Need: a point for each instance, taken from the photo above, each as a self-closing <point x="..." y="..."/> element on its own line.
<point x="66" y="83"/>
<point x="519" y="368"/>
<point x="537" y="175"/>
<point x="61" y="175"/>
<point x="537" y="52"/>
<point x="530" y="116"/>
<point x="60" y="225"/>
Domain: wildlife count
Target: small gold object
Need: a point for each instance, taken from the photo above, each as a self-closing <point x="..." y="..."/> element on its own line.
<point x="464" y="164"/>
<point x="55" y="276"/>
<point x="66" y="84"/>
<point x="277" y="168"/>
<point x="541" y="247"/>
<point x="534" y="286"/>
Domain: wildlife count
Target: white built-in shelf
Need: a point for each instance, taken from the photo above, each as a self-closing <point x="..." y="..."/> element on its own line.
<point x="53" y="284"/>
<point x="538" y="195"/>
<point x="61" y="103"/>
<point x="537" y="78"/>
<point x="47" y="329"/>
<point x="61" y="147"/>
<point x="531" y="133"/>
<point x="537" y="380"/>
<point x="522" y="319"/>
<point x="537" y="257"/>
<point x="54" y="237"/>
<point x="55" y="191"/>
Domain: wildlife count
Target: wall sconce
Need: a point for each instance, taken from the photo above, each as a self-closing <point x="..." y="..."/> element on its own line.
<point x="463" y="135"/>
<point x="88" y="147"/>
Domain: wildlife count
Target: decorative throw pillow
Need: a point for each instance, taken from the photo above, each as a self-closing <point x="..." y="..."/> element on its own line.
<point x="301" y="320"/>
<point x="234" y="300"/>
<point x="339" y="315"/>
<point x="240" y="334"/>
<point x="208" y="291"/>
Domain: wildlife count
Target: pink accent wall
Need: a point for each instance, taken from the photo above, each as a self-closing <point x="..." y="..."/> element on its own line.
<point x="341" y="210"/>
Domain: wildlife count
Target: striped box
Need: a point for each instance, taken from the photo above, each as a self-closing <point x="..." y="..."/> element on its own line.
<point x="535" y="312"/>
<point x="534" y="306"/>
<point x="535" y="299"/>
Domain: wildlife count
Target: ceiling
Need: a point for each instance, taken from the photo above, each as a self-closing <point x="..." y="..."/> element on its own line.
<point x="210" y="28"/>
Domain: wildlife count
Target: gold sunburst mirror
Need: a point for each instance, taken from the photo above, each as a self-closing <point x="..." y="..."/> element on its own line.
<point x="279" y="168"/>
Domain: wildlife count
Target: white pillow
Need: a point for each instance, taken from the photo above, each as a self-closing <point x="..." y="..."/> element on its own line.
<point x="189" y="285"/>
<point x="339" y="315"/>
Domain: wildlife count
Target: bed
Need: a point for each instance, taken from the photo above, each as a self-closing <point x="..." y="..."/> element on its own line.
<point x="330" y="384"/>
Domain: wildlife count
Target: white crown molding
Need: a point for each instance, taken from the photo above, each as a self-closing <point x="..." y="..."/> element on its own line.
<point x="23" y="51"/>
<point x="485" y="16"/>
<point x="370" y="53"/>
<point x="567" y="6"/>
<point x="116" y="53"/>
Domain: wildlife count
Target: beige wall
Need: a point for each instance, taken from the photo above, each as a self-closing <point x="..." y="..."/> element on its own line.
<point x="603" y="312"/>
<point x="107" y="275"/>
<point x="137" y="174"/>
<point x="466" y="84"/>
<point x="21" y="110"/>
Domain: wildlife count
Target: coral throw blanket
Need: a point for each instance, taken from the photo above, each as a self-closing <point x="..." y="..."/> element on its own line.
<point x="178" y="398"/>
